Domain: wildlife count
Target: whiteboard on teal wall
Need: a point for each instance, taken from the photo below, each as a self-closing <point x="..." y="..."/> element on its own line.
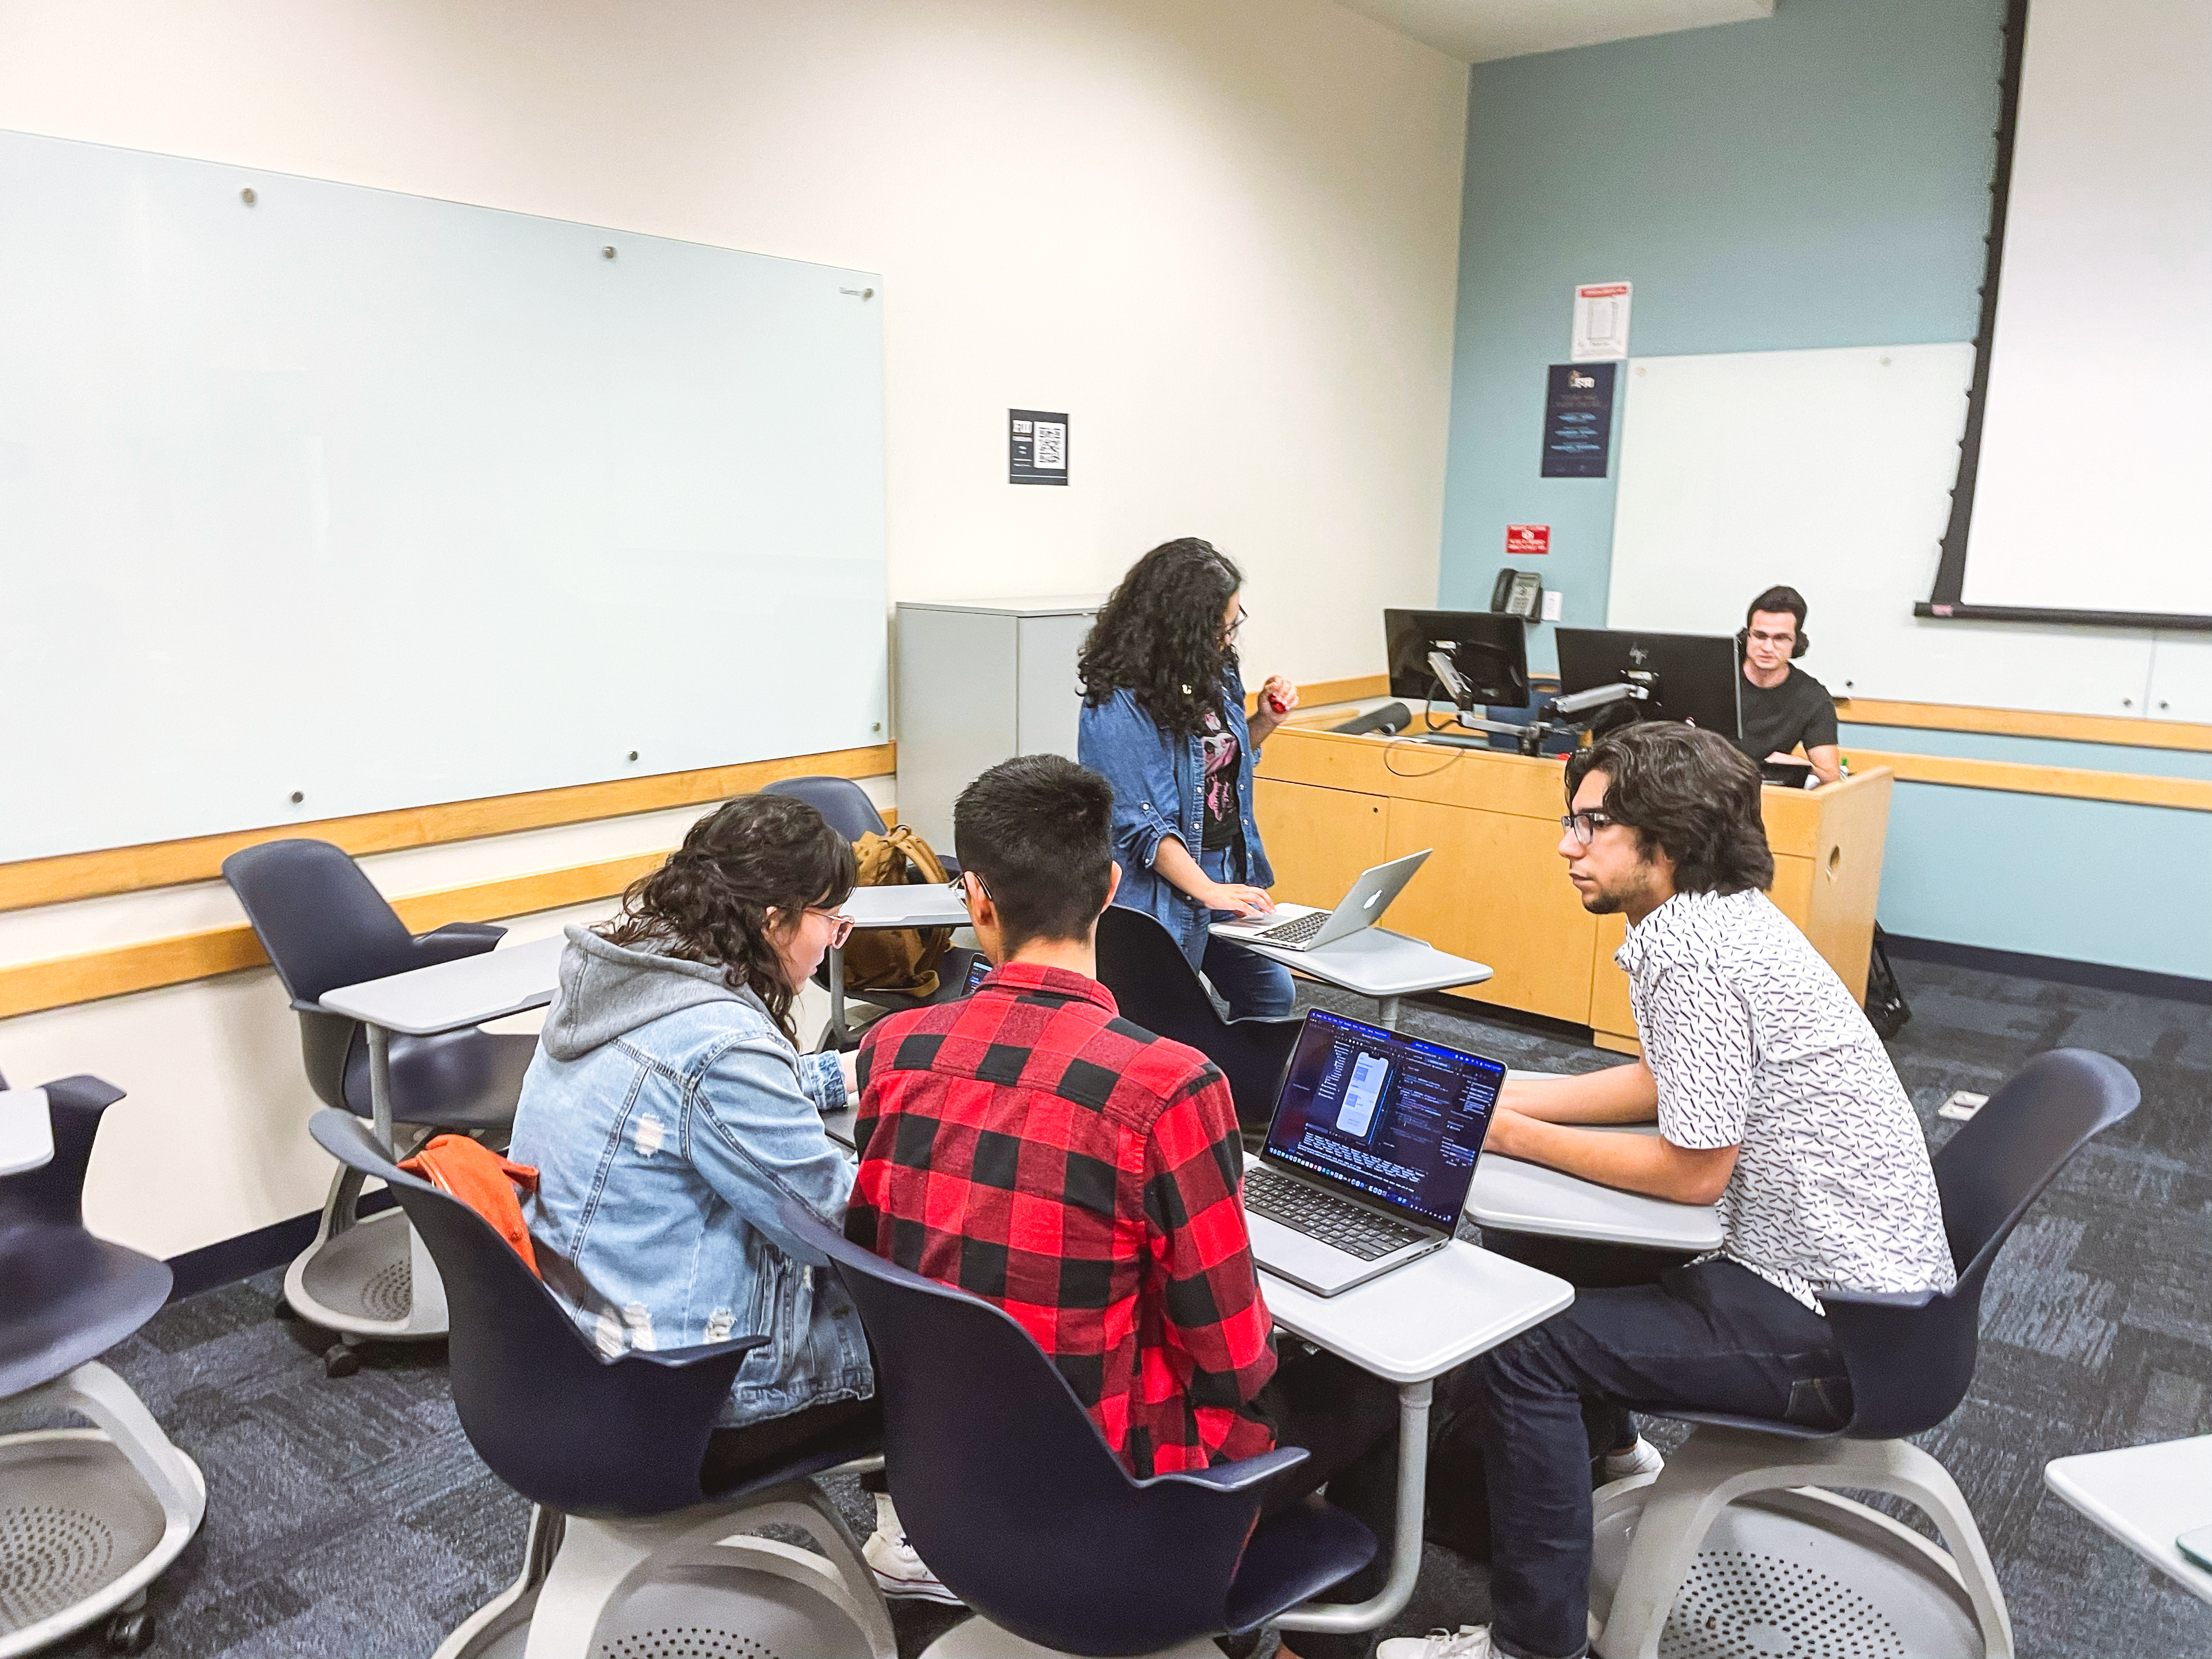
<point x="1831" y="470"/>
<point x="308" y="490"/>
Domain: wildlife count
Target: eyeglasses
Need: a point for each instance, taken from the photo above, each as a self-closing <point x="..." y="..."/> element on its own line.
<point x="841" y="925"/>
<point x="1584" y="826"/>
<point x="1765" y="638"/>
<point x="1236" y="627"/>
<point x="960" y="892"/>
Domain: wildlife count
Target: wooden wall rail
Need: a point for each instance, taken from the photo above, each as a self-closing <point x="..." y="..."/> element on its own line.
<point x="2026" y="723"/>
<point x="2015" y="777"/>
<point x="171" y="863"/>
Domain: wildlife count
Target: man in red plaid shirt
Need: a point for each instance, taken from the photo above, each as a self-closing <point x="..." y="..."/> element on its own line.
<point x="1032" y="1146"/>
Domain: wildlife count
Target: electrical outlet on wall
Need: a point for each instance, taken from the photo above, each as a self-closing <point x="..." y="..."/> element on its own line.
<point x="1551" y="605"/>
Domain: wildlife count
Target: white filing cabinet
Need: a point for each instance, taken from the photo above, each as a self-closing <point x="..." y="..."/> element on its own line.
<point x="981" y="681"/>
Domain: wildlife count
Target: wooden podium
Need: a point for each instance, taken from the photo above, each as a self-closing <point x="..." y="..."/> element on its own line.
<point x="1496" y="889"/>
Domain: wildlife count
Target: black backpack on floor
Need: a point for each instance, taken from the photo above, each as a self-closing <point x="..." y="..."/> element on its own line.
<point x="1886" y="1009"/>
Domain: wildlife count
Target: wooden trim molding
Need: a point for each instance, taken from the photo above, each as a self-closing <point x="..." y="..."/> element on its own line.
<point x="2027" y="723"/>
<point x="2068" y="782"/>
<point x="55" y="880"/>
<point x="32" y="987"/>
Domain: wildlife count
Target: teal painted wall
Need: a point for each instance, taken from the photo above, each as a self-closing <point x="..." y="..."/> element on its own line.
<point x="1817" y="179"/>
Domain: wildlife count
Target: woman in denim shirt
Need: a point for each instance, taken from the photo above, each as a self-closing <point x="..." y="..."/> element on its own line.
<point x="1164" y="721"/>
<point x="670" y="1116"/>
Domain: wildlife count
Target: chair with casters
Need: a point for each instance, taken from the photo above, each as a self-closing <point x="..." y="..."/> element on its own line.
<point x="88" y="1517"/>
<point x="1734" y="1538"/>
<point x="323" y="925"/>
<point x="1027" y="1515"/>
<point x="624" y="1545"/>
<point x="1140" y="963"/>
<point x="850" y="811"/>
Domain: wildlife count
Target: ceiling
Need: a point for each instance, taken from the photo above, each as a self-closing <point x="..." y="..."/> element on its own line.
<point x="1476" y="31"/>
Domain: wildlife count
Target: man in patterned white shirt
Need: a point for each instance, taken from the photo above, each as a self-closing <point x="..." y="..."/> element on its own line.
<point x="1775" y="1102"/>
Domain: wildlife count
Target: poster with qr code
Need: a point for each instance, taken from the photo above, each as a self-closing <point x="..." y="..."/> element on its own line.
<point x="1036" y="447"/>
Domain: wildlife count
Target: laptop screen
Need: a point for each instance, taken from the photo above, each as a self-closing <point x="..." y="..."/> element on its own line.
<point x="1396" y="1118"/>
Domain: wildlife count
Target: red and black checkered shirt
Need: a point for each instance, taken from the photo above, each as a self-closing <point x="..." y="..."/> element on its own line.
<point x="1030" y="1145"/>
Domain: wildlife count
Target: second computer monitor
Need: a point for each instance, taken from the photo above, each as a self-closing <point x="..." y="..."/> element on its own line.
<point x="1470" y="658"/>
<point x="1691" y="677"/>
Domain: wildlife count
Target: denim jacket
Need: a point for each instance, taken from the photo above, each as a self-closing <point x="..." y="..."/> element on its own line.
<point x="1159" y="785"/>
<point x="669" y="1119"/>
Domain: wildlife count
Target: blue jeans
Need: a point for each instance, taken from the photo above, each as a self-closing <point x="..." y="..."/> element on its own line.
<point x="1711" y="1337"/>
<point x="1251" y="984"/>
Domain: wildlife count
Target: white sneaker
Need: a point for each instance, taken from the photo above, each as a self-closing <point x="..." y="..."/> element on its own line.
<point x="1642" y="1458"/>
<point x="900" y="1573"/>
<point x="1468" y="1642"/>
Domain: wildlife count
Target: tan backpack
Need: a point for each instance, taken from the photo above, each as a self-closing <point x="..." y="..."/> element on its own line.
<point x="895" y="958"/>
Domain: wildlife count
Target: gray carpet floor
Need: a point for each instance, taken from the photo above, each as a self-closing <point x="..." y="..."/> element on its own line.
<point x="351" y="1518"/>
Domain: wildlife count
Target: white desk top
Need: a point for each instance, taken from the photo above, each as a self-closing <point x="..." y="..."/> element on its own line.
<point x="1417" y="1321"/>
<point x="26" y="1131"/>
<point x="1528" y="1198"/>
<point x="930" y="905"/>
<point x="1376" y="963"/>
<point x="453" y="994"/>
<point x="2145" y="1496"/>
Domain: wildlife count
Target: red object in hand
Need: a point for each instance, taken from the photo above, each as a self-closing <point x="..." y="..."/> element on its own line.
<point x="1276" y="705"/>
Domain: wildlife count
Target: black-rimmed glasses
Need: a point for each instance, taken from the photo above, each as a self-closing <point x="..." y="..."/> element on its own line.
<point x="1584" y="826"/>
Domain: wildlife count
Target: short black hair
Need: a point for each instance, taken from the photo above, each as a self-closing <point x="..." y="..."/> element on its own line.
<point x="1038" y="832"/>
<point x="1776" y="601"/>
<point x="1691" y="794"/>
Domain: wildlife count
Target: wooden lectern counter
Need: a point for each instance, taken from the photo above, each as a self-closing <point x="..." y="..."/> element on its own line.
<point x="1496" y="888"/>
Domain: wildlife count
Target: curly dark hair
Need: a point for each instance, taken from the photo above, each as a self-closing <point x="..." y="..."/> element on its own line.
<point x="1693" y="794"/>
<point x="710" y="902"/>
<point x="1159" y="636"/>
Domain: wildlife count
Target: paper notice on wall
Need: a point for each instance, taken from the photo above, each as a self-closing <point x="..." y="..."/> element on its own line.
<point x="1600" y="322"/>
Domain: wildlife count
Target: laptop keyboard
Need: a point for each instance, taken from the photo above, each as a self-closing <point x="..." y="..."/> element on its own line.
<point x="1297" y="931"/>
<point x="1324" y="1216"/>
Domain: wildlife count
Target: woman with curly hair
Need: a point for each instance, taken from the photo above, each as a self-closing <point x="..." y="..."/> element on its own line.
<point x="1164" y="721"/>
<point x="670" y="1114"/>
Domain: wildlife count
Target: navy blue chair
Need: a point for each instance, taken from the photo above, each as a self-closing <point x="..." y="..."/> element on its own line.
<point x="324" y="925"/>
<point x="608" y="1449"/>
<point x="1910" y="1358"/>
<point x="1006" y="1488"/>
<point x="852" y="815"/>
<point x="1156" y="987"/>
<point x="121" y="1503"/>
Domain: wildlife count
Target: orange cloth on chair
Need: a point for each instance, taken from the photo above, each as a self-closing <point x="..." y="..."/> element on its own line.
<point x="482" y="1180"/>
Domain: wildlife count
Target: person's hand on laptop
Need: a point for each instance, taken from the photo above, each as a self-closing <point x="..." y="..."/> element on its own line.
<point x="1237" y="899"/>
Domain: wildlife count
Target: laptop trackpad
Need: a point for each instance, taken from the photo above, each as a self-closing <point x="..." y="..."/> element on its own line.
<point x="1304" y="1261"/>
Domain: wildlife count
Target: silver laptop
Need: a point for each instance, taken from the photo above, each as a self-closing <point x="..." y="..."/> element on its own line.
<point x="1369" y="1153"/>
<point x="1303" y="927"/>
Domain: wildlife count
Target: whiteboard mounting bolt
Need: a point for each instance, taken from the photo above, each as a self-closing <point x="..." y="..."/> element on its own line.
<point x="2127" y="702"/>
<point x="297" y="797"/>
<point x="633" y="754"/>
<point x="877" y="726"/>
<point x="608" y="251"/>
<point x="247" y="196"/>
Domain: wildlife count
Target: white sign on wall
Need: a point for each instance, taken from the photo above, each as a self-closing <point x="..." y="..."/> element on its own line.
<point x="1600" y="322"/>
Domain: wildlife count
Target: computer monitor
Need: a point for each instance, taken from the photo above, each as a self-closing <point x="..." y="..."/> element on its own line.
<point x="1469" y="658"/>
<point x="1690" y="678"/>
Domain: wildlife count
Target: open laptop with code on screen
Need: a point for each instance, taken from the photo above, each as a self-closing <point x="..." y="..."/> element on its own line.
<point x="1369" y="1154"/>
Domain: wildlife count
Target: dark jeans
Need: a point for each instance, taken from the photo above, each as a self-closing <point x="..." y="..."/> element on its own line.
<point x="1251" y="984"/>
<point x="732" y="1454"/>
<point x="1713" y="1337"/>
<point x="1347" y="1420"/>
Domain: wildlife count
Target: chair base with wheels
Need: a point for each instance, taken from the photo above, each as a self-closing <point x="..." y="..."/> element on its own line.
<point x="89" y="1517"/>
<point x="622" y="1585"/>
<point x="364" y="1277"/>
<point x="1733" y="1552"/>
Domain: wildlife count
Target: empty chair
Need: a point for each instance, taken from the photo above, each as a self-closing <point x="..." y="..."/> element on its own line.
<point x="1027" y="1516"/>
<point x="91" y="1517"/>
<point x="852" y="815"/>
<point x="1826" y="1563"/>
<point x="324" y="925"/>
<point x="624" y="1543"/>
<point x="1156" y="987"/>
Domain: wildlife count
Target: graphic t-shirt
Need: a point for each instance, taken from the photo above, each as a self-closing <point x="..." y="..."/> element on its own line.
<point x="1224" y="819"/>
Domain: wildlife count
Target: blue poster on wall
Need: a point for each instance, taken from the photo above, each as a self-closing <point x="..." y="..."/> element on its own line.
<point x="1578" y="421"/>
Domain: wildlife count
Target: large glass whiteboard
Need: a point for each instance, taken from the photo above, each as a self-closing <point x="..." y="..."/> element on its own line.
<point x="385" y="501"/>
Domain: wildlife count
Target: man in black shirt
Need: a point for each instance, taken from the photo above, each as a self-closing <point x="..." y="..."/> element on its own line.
<point x="1783" y="705"/>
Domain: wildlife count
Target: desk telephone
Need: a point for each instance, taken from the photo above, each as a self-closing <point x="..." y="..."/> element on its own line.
<point x="1518" y="593"/>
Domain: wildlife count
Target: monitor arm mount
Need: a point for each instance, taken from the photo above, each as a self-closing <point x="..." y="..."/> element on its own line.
<point x="1579" y="710"/>
<point x="1530" y="738"/>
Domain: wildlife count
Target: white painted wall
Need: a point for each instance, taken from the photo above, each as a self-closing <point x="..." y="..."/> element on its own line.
<point x="1223" y="235"/>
